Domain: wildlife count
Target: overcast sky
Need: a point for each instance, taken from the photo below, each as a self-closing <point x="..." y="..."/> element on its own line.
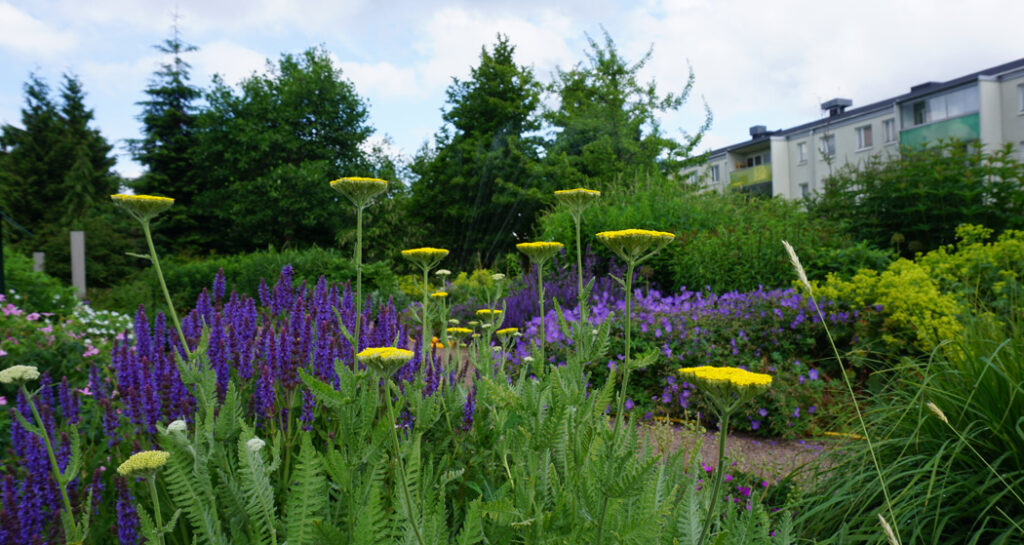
<point x="769" y="62"/>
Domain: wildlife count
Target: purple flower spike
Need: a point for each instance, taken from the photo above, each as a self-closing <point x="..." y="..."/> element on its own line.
<point x="469" y="410"/>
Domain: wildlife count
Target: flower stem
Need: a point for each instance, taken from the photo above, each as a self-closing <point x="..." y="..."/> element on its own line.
<point x="424" y="349"/>
<point x="163" y="286"/>
<point x="581" y="300"/>
<point x="401" y="463"/>
<point x="151" y="482"/>
<point x="359" y="281"/>
<point x="543" y="329"/>
<point x="67" y="517"/>
<point x="620" y="409"/>
<point x="723" y="432"/>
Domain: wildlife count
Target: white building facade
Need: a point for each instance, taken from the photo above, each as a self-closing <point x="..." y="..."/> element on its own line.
<point x="986" y="107"/>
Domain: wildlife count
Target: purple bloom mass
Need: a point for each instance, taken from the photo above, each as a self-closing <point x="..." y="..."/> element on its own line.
<point x="469" y="410"/>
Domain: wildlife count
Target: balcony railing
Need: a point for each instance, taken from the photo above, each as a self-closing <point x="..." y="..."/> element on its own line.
<point x="750" y="176"/>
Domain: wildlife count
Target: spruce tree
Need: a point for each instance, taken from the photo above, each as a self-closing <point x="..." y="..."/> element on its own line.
<point x="168" y="119"/>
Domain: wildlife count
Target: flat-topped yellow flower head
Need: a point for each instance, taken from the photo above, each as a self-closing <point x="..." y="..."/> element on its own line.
<point x="577" y="200"/>
<point x="507" y="331"/>
<point x="633" y="244"/>
<point x="384" y="360"/>
<point x="143" y="464"/>
<point x="488" y="313"/>
<point x="142" y="207"/>
<point x="724" y="384"/>
<point x="439" y="295"/>
<point x="460" y="331"/>
<point x="360" y="190"/>
<point x="426" y="258"/>
<point x="539" y="252"/>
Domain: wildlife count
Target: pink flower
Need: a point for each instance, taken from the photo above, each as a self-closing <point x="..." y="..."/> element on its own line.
<point x="2" y="352"/>
<point x="3" y="400"/>
<point x="84" y="391"/>
<point x="32" y="317"/>
<point x="47" y="329"/>
<point x="90" y="351"/>
<point x="11" y="310"/>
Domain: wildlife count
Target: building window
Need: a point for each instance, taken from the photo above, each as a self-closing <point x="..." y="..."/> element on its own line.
<point x="801" y="150"/>
<point x="828" y="145"/>
<point x="864" y="137"/>
<point x="938" y="108"/>
<point x="1020" y="98"/>
<point x="716" y="174"/>
<point x="889" y="127"/>
<point x="805" y="190"/>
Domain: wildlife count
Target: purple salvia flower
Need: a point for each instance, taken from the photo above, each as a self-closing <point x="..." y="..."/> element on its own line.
<point x="142" y="338"/>
<point x="218" y="286"/>
<point x="68" y="402"/>
<point x="264" y="396"/>
<point x="127" y="517"/>
<point x="308" y="406"/>
<point x="218" y="356"/>
<point x="469" y="410"/>
<point x="204" y="308"/>
<point x="283" y="291"/>
<point x="266" y="300"/>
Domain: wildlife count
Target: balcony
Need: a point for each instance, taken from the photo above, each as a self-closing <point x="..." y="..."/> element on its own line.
<point x="750" y="176"/>
<point x="964" y="128"/>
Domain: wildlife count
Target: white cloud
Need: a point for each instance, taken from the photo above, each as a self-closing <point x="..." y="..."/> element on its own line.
<point x="30" y="36"/>
<point x="381" y="79"/>
<point x="231" y="60"/>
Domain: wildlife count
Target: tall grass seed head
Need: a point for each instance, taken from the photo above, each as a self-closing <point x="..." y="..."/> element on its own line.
<point x="142" y="207"/>
<point x="142" y="464"/>
<point x="539" y="252"/>
<point x="632" y="244"/>
<point x="360" y="190"/>
<point x="426" y="257"/>
<point x="18" y="374"/>
<point x="800" y="273"/>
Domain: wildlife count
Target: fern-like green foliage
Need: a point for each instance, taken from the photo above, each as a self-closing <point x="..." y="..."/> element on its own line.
<point x="256" y="489"/>
<point x="307" y="497"/>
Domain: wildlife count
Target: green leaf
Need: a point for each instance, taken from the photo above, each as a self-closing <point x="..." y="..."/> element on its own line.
<point x="307" y="497"/>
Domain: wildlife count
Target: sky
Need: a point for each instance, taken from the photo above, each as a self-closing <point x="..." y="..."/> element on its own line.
<point x="756" y="62"/>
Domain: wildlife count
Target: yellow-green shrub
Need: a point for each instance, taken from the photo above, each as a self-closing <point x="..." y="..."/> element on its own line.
<point x="917" y="312"/>
<point x="925" y="300"/>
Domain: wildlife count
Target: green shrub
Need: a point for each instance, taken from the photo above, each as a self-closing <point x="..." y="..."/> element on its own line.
<point x="914" y="202"/>
<point x="725" y="242"/>
<point x="186" y="277"/>
<point x="35" y="291"/>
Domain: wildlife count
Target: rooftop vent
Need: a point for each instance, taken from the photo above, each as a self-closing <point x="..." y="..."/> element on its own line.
<point x="757" y="131"/>
<point x="923" y="86"/>
<point x="836" y="106"/>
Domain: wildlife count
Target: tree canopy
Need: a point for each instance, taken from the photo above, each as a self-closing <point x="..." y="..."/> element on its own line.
<point x="606" y="123"/>
<point x="480" y="185"/>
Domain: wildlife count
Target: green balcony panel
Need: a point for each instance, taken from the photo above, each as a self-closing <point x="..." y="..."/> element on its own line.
<point x="750" y="175"/>
<point x="964" y="128"/>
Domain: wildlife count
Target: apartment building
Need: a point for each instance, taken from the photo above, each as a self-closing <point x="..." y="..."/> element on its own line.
<point x="986" y="106"/>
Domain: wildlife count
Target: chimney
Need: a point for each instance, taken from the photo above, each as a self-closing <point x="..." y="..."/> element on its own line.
<point x="757" y="131"/>
<point x="836" y="106"/>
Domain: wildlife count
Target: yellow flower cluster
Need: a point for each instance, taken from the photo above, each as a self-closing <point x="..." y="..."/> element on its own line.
<point x="384" y="359"/>
<point x="539" y="252"/>
<point x="425" y="257"/>
<point x="487" y="313"/>
<point x="631" y="244"/>
<point x="17" y="374"/>
<point x="577" y="200"/>
<point x="507" y="331"/>
<point x="142" y="207"/>
<point x="360" y="190"/>
<point x="459" y="331"/>
<point x="143" y="463"/>
<point x="733" y="375"/>
<point x="439" y="295"/>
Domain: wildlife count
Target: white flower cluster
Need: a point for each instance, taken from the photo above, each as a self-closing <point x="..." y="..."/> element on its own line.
<point x="100" y="326"/>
